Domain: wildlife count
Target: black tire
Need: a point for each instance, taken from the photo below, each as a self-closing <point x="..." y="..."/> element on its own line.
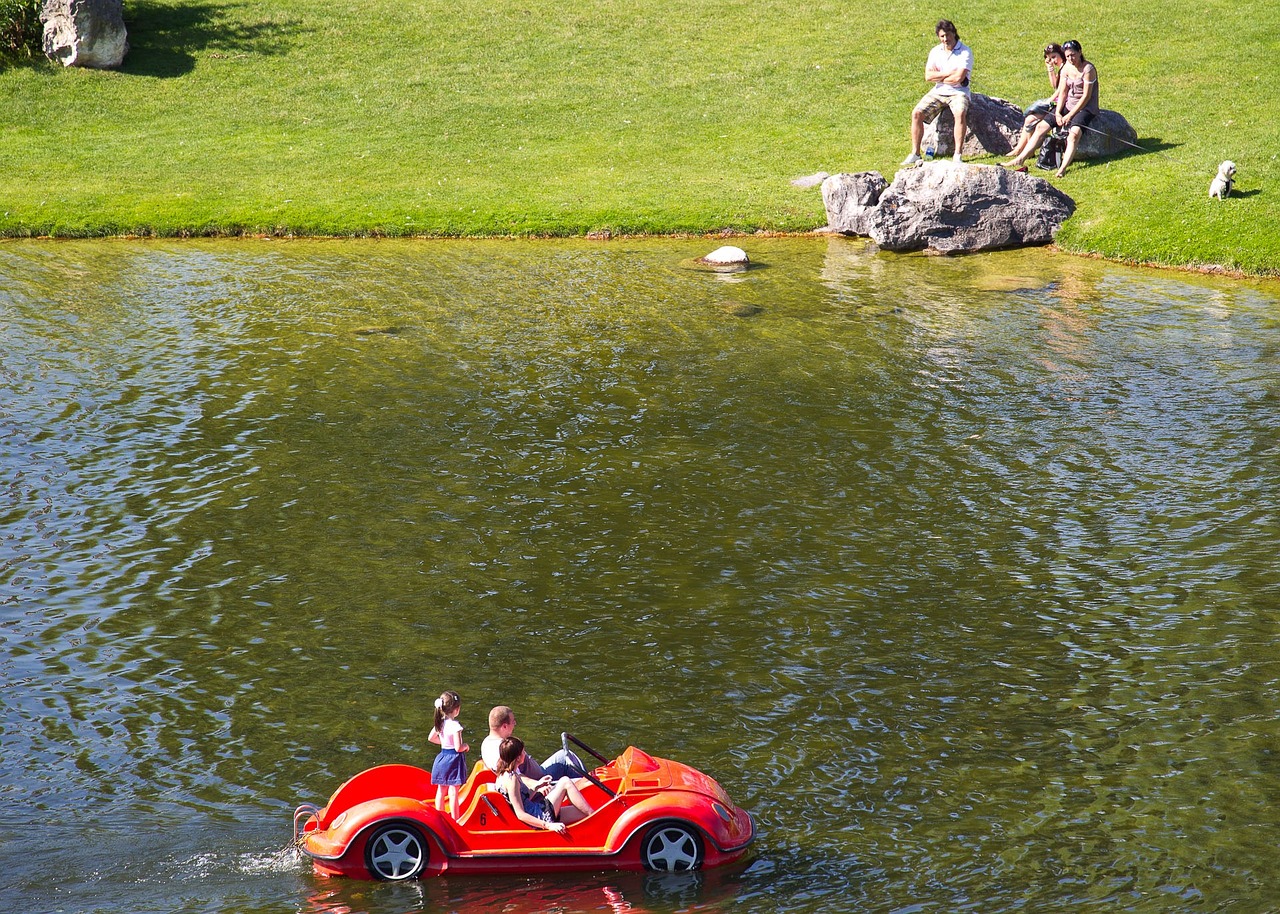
<point x="671" y="847"/>
<point x="395" y="853"/>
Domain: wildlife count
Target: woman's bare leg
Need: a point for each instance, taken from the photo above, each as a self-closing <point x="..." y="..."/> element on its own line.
<point x="565" y="789"/>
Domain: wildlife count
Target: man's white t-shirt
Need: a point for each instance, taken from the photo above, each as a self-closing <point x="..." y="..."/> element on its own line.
<point x="489" y="751"/>
<point x="944" y="61"/>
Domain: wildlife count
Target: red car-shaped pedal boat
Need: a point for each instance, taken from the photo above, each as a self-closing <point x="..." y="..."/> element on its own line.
<point x="650" y="813"/>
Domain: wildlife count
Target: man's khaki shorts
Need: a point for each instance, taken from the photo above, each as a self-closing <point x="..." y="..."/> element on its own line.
<point x="933" y="103"/>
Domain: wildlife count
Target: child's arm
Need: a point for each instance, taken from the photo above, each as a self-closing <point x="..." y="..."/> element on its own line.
<point x="434" y="736"/>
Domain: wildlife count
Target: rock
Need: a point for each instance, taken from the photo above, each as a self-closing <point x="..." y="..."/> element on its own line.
<point x="994" y="125"/>
<point x="850" y="198"/>
<point x="812" y="180"/>
<point x="954" y="208"/>
<point x="947" y="208"/>
<point x="740" y="309"/>
<point x="992" y="129"/>
<point x="727" y="256"/>
<point x="85" y="33"/>
<point x="1107" y="134"/>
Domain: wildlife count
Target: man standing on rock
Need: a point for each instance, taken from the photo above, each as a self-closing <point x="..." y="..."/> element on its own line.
<point x="949" y="66"/>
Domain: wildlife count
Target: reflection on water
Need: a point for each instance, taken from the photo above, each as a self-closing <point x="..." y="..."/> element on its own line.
<point x="959" y="573"/>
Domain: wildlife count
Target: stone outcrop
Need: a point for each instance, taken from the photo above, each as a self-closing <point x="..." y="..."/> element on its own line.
<point x="994" y="125"/>
<point x="851" y="201"/>
<point x="85" y="33"/>
<point x="948" y="207"/>
<point x="1106" y="135"/>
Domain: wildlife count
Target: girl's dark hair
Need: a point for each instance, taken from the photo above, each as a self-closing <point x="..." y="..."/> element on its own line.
<point x="1055" y="49"/>
<point x="1072" y="45"/>
<point x="509" y="753"/>
<point x="445" y="704"/>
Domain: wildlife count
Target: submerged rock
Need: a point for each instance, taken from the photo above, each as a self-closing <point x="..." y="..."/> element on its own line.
<point x="740" y="309"/>
<point x="85" y="33"/>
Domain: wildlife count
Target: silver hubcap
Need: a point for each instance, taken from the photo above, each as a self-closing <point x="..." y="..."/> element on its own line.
<point x="396" y="853"/>
<point x="672" y="849"/>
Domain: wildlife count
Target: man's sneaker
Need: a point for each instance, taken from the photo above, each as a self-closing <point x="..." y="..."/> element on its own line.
<point x="913" y="159"/>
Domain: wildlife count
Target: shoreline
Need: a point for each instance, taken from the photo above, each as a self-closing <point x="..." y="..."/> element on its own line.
<point x="1208" y="270"/>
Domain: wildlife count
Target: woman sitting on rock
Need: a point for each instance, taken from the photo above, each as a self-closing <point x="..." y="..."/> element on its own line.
<point x="1077" y="106"/>
<point x="1038" y="110"/>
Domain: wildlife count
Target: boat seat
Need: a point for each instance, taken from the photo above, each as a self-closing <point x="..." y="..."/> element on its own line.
<point x="496" y="810"/>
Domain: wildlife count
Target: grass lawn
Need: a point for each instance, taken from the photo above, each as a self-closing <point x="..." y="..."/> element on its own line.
<point x="541" y="117"/>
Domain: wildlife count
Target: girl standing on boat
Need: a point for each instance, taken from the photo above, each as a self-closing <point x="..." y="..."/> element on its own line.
<point x="450" y="767"/>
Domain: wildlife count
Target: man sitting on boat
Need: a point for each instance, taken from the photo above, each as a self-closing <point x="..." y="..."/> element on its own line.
<point x="502" y="724"/>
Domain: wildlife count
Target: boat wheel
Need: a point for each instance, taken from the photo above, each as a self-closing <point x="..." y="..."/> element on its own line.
<point x="396" y="853"/>
<point x="671" y="847"/>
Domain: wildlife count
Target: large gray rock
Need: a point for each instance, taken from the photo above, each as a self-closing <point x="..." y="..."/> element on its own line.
<point x="85" y="33"/>
<point x="850" y="199"/>
<point x="951" y="208"/>
<point x="992" y="128"/>
<point x="1106" y="135"/>
<point x="994" y="125"/>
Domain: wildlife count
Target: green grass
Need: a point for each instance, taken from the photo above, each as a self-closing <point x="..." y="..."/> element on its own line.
<point x="636" y="116"/>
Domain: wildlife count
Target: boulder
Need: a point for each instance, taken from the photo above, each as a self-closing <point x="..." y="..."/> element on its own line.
<point x="994" y="125"/>
<point x="1106" y="135"/>
<point x="850" y="199"/>
<point x="952" y="208"/>
<point x="992" y="129"/>
<point x="85" y="33"/>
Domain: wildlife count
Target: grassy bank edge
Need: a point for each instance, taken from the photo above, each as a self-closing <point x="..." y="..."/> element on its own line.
<point x="723" y="235"/>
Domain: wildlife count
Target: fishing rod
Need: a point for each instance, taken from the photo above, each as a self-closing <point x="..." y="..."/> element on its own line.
<point x="1127" y="143"/>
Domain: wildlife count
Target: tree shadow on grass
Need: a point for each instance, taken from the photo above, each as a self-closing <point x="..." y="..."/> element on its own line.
<point x="165" y="38"/>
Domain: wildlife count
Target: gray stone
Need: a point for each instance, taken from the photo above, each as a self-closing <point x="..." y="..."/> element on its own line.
<point x="947" y="207"/>
<point x="1107" y="134"/>
<point x="955" y="208"/>
<point x="850" y="199"/>
<point x="812" y="180"/>
<point x="994" y="125"/>
<point x="992" y="129"/>
<point x="85" y="33"/>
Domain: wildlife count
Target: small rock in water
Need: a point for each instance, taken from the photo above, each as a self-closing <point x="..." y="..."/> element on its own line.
<point x="726" y="256"/>
<point x="370" y="331"/>
<point x="812" y="180"/>
<point x="740" y="309"/>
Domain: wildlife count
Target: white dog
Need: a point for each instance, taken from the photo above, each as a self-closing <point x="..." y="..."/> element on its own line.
<point x="1221" y="186"/>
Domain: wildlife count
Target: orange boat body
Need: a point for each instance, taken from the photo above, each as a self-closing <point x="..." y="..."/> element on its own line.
<point x="664" y="816"/>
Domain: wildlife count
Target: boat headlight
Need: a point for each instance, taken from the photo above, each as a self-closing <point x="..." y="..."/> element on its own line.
<point x="336" y="823"/>
<point x="722" y="812"/>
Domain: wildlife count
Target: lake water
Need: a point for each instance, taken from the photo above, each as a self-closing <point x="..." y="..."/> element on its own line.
<point x="960" y="574"/>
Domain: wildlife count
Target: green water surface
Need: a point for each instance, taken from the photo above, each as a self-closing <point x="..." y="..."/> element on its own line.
<point x="959" y="574"/>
